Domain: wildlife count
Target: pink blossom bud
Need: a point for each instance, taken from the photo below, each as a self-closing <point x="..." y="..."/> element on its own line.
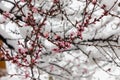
<point x="94" y="1"/>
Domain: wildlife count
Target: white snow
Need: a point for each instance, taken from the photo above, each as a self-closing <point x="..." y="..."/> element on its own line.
<point x="69" y="58"/>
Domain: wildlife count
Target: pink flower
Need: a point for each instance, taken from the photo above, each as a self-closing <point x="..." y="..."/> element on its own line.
<point x="27" y="75"/>
<point x="34" y="9"/>
<point x="85" y="71"/>
<point x="55" y="1"/>
<point x="33" y="61"/>
<point x="25" y="18"/>
<point x="6" y="15"/>
<point x="103" y="6"/>
<point x="72" y="34"/>
<point x="51" y="68"/>
<point x="67" y="44"/>
<point x="56" y="50"/>
<point x="46" y="35"/>
<point x="78" y="24"/>
<point x="57" y="37"/>
<point x="22" y="0"/>
<point x="62" y="44"/>
<point x="79" y="33"/>
<point x="20" y="50"/>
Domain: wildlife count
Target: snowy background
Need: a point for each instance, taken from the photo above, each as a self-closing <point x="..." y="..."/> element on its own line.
<point x="101" y="62"/>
